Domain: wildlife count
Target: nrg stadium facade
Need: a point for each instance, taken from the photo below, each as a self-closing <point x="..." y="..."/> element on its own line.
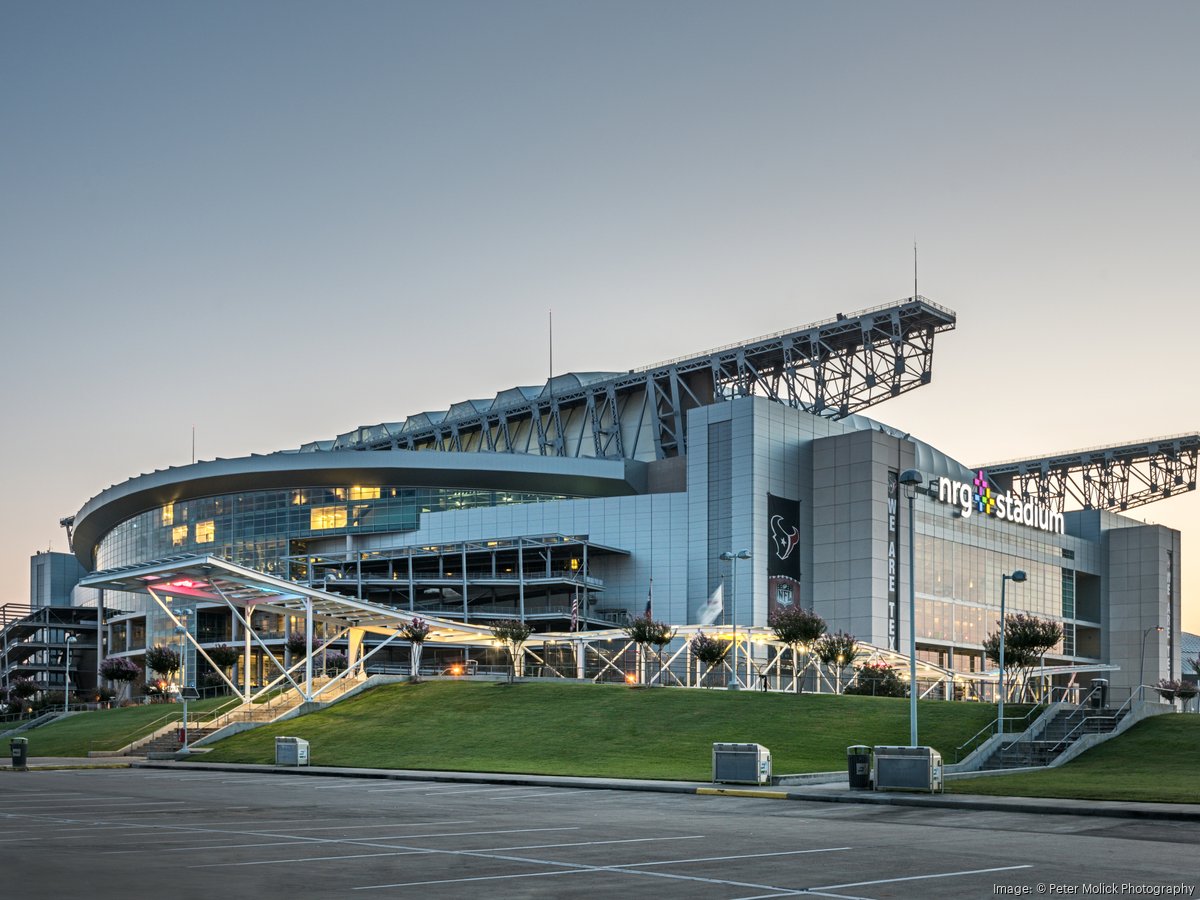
<point x="584" y="501"/>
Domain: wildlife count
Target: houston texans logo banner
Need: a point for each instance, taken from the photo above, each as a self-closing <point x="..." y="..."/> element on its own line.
<point x="783" y="564"/>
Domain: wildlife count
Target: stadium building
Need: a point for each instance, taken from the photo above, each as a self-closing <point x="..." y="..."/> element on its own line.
<point x="583" y="502"/>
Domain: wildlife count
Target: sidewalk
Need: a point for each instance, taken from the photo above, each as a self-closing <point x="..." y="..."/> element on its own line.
<point x="68" y="762"/>
<point x="822" y="793"/>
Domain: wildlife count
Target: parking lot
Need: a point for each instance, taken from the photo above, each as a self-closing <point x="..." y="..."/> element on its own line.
<point x="105" y="833"/>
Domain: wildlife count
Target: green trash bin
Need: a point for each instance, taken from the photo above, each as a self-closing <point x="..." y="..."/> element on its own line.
<point x="19" y="748"/>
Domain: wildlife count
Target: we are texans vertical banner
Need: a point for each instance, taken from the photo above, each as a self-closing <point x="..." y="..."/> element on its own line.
<point x="893" y="561"/>
<point x="783" y="563"/>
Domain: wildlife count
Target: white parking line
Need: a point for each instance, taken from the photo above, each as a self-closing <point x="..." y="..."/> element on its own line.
<point x="554" y="793"/>
<point x="700" y="859"/>
<point x="491" y="790"/>
<point x="849" y="884"/>
<point x="367" y="842"/>
<point x="417" y="787"/>
<point x="566" y="868"/>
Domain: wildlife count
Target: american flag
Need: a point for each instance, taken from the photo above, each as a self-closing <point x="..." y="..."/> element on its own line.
<point x="650" y="600"/>
<point x="575" y="612"/>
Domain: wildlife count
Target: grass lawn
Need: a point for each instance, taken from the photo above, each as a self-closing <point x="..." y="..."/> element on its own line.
<point x="105" y="729"/>
<point x="600" y="730"/>
<point x="1156" y="760"/>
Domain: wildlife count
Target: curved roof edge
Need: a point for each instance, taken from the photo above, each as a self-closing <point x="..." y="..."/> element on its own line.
<point x="583" y="476"/>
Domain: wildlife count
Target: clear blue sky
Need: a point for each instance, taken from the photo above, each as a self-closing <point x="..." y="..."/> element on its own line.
<point x="277" y="221"/>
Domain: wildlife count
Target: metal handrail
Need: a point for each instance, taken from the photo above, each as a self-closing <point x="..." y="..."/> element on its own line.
<point x="1068" y="739"/>
<point x="1038" y="708"/>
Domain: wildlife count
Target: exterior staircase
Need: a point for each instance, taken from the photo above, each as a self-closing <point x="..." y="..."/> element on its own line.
<point x="168" y="742"/>
<point x="1040" y="747"/>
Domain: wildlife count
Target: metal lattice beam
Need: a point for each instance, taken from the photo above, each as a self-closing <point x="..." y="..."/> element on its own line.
<point x="1118" y="477"/>
<point x="832" y="368"/>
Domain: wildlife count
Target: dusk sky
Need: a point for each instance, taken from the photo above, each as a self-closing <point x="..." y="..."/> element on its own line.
<point x="278" y="221"/>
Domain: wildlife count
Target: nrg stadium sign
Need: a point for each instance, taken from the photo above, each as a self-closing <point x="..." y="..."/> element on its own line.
<point x="978" y="496"/>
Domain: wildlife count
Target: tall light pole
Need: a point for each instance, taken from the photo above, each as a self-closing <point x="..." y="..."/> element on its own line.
<point x="182" y="632"/>
<point x="1142" y="670"/>
<point x="1017" y="576"/>
<point x="734" y="556"/>
<point x="67" y="676"/>
<point x="911" y="479"/>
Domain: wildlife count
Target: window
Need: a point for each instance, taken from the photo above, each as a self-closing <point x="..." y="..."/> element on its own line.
<point x="321" y="517"/>
<point x="206" y="531"/>
<point x="364" y="493"/>
<point x="168" y="514"/>
<point x="179" y="535"/>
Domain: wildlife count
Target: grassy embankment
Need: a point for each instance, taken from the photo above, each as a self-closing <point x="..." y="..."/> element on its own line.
<point x="106" y="729"/>
<point x="1156" y="760"/>
<point x="598" y="730"/>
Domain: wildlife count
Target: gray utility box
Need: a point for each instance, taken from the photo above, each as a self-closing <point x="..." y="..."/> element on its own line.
<point x="291" y="751"/>
<point x="908" y="769"/>
<point x="741" y="764"/>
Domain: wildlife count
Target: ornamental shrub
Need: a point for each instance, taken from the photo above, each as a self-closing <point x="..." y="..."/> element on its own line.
<point x="512" y="633"/>
<point x="877" y="679"/>
<point x="120" y="668"/>
<point x="710" y="651"/>
<point x="223" y="656"/>
<point x="163" y="660"/>
<point x="796" y="626"/>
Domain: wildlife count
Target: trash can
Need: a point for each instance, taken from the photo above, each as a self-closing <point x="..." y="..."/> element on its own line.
<point x="19" y="748"/>
<point x="1099" y="693"/>
<point x="858" y="767"/>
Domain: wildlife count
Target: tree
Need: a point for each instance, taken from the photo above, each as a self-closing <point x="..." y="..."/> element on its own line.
<point x="799" y="628"/>
<point x="709" y="651"/>
<point x="120" y="669"/>
<point x="512" y="634"/>
<point x="644" y="630"/>
<point x="1026" y="640"/>
<point x="836" y="651"/>
<point x="334" y="661"/>
<point x="223" y="656"/>
<point x="23" y="688"/>
<point x="297" y="643"/>
<point x="163" y="660"/>
<point x="415" y="633"/>
<point x="1172" y="690"/>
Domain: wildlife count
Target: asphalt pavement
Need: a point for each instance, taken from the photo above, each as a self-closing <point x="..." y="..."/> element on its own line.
<point x="202" y="830"/>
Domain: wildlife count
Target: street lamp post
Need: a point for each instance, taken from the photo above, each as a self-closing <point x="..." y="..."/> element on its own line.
<point x="911" y="479"/>
<point x="1017" y="576"/>
<point x="182" y="632"/>
<point x="1142" y="670"/>
<point x="67" y="676"/>
<point x="734" y="556"/>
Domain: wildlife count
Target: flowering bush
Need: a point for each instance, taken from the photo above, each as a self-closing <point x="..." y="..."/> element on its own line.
<point x="795" y="625"/>
<point x="120" y="668"/>
<point x="23" y="688"/>
<point x="877" y="679"/>
<point x="164" y="660"/>
<point x="416" y="630"/>
<point x="709" y="651"/>
<point x="223" y="656"/>
<point x="297" y="642"/>
<point x="1172" y="690"/>
<point x="335" y="661"/>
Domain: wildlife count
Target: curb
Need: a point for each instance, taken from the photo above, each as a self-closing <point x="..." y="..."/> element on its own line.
<point x="1060" y="807"/>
